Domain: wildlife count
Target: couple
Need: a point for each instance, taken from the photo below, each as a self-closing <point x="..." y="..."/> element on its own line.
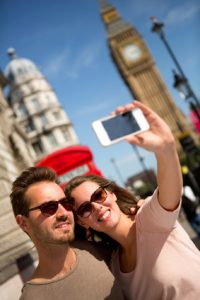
<point x="154" y="257"/>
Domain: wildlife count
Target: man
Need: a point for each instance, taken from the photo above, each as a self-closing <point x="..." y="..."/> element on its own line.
<point x="65" y="270"/>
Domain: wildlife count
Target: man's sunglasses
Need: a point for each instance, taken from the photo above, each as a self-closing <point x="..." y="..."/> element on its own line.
<point x="85" y="209"/>
<point x="49" y="208"/>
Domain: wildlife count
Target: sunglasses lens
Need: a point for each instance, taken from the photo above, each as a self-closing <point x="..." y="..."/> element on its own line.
<point x="99" y="195"/>
<point x="49" y="208"/>
<point x="68" y="206"/>
<point x="84" y="209"/>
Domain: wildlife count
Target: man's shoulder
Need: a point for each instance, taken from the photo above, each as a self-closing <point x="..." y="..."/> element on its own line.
<point x="30" y="293"/>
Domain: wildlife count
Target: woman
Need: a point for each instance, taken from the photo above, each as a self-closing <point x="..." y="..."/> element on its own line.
<point x="155" y="258"/>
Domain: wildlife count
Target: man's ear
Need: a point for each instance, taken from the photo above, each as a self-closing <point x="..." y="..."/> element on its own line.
<point x="21" y="221"/>
<point x="81" y="223"/>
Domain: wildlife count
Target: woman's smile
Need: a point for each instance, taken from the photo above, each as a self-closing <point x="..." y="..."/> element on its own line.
<point x="104" y="216"/>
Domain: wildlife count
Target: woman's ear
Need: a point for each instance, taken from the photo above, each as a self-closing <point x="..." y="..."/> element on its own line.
<point x="21" y="221"/>
<point x="81" y="223"/>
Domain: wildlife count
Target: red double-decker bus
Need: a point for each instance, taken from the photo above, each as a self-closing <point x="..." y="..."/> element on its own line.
<point x="71" y="161"/>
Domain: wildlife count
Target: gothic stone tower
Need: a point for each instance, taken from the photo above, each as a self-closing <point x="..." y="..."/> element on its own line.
<point x="138" y="70"/>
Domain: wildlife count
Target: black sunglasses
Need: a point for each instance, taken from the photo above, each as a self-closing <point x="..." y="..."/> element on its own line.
<point x="85" y="209"/>
<point x="49" y="208"/>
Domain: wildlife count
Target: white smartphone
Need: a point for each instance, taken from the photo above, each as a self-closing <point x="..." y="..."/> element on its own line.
<point x="113" y="129"/>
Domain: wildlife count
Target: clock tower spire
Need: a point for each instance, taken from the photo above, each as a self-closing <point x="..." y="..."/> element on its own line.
<point x="138" y="70"/>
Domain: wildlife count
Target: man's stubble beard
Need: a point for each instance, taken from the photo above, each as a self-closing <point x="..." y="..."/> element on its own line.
<point x="69" y="239"/>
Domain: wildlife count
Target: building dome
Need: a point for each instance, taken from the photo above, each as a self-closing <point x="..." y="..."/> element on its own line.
<point x="19" y="68"/>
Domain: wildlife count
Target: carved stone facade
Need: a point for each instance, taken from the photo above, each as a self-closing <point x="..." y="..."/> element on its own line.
<point x="37" y="108"/>
<point x="15" y="155"/>
<point x="32" y="125"/>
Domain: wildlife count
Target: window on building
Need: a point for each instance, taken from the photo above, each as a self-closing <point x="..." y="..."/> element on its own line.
<point x="31" y="87"/>
<point x="37" y="147"/>
<point x="51" y="138"/>
<point x="43" y="119"/>
<point x="23" y="90"/>
<point x="35" y="103"/>
<point x="25" y="265"/>
<point x="65" y="134"/>
<point x="48" y="99"/>
<point x="11" y="77"/>
<point x="21" y="110"/>
<point x="57" y="115"/>
<point x="17" y="95"/>
<point x="19" y="70"/>
<point x="29" y="126"/>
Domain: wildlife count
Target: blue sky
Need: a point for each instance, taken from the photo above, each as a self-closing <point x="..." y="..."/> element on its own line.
<point x="67" y="42"/>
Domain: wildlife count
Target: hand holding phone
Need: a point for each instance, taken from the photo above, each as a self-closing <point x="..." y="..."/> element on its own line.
<point x="113" y="129"/>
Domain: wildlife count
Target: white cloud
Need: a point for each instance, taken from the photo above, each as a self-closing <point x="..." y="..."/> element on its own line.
<point x="182" y="13"/>
<point x="84" y="60"/>
<point x="56" y="64"/>
<point x="69" y="64"/>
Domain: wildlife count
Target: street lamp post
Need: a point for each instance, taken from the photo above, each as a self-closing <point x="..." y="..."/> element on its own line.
<point x="141" y="160"/>
<point x="117" y="170"/>
<point x="181" y="82"/>
<point x="181" y="85"/>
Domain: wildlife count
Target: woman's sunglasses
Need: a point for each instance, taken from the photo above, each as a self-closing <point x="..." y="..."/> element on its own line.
<point x="85" y="209"/>
<point x="50" y="208"/>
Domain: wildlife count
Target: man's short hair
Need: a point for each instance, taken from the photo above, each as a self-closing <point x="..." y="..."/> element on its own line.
<point x="28" y="177"/>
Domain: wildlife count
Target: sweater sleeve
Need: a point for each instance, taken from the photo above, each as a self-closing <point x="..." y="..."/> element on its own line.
<point x="153" y="217"/>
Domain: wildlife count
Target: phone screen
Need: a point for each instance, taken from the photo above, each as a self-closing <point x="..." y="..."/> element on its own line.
<point x="120" y="125"/>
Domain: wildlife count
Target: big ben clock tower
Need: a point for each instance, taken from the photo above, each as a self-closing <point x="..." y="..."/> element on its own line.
<point x="138" y="70"/>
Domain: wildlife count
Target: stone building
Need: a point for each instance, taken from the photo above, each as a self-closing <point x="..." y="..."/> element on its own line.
<point x="32" y="125"/>
<point x="15" y="155"/>
<point x="37" y="108"/>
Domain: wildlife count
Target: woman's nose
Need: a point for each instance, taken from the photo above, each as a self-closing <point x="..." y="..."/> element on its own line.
<point x="97" y="206"/>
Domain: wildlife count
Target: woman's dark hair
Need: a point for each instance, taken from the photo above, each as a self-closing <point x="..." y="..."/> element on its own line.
<point x="125" y="201"/>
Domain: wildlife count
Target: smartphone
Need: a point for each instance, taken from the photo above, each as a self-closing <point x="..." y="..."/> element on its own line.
<point x="112" y="129"/>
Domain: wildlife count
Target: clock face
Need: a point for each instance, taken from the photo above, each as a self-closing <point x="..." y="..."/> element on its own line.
<point x="132" y="53"/>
